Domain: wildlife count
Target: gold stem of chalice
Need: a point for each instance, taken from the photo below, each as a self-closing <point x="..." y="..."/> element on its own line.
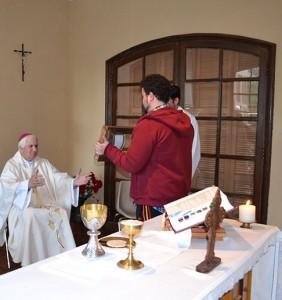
<point x="94" y="217"/>
<point x="131" y="228"/>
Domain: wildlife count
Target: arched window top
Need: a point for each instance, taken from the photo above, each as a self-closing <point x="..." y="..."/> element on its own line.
<point x="235" y="42"/>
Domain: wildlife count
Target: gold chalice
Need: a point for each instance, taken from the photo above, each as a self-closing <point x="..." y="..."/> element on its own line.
<point x="131" y="228"/>
<point x="94" y="217"/>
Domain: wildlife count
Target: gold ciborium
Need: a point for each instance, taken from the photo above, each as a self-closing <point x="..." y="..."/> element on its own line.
<point x="94" y="217"/>
<point x="131" y="228"/>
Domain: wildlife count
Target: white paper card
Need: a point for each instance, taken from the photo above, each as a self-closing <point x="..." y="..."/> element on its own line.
<point x="191" y="210"/>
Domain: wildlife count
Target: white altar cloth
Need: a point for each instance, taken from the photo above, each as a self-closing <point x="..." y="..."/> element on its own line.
<point x="169" y="271"/>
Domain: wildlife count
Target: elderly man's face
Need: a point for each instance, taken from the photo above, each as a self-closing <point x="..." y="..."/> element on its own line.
<point x="29" y="152"/>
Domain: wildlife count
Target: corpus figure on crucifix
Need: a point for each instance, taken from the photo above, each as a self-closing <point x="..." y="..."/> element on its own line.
<point x="23" y="54"/>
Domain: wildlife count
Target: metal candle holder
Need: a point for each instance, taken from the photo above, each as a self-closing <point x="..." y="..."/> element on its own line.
<point x="246" y="225"/>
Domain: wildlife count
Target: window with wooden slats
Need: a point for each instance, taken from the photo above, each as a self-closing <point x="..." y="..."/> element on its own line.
<point x="227" y="83"/>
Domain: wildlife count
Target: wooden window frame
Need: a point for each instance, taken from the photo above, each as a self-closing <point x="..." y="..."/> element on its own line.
<point x="266" y="52"/>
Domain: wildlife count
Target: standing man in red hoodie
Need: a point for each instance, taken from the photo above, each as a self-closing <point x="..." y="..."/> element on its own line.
<point x="159" y="157"/>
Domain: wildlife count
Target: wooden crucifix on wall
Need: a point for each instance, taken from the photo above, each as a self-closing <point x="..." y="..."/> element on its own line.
<point x="23" y="56"/>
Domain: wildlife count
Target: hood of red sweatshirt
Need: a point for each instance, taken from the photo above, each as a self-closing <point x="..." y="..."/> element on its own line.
<point x="177" y="120"/>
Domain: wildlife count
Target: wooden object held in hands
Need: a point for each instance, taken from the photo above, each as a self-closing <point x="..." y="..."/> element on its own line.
<point x="103" y="134"/>
<point x="111" y="133"/>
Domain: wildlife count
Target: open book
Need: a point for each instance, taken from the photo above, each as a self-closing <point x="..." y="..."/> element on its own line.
<point x="191" y="210"/>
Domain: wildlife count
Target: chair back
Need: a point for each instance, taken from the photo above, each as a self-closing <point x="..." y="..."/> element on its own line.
<point x="4" y="240"/>
<point x="124" y="203"/>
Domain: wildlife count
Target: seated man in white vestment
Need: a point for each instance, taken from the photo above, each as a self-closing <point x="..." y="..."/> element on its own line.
<point x="39" y="211"/>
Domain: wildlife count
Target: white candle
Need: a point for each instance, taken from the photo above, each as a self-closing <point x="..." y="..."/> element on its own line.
<point x="247" y="213"/>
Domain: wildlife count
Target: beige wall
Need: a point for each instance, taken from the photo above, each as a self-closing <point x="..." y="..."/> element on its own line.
<point x="40" y="103"/>
<point x="68" y="115"/>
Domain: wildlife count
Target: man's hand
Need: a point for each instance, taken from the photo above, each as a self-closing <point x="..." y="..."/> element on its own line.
<point x="101" y="145"/>
<point x="36" y="180"/>
<point x="81" y="179"/>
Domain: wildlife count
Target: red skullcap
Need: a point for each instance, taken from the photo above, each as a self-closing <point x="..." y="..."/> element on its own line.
<point x="24" y="135"/>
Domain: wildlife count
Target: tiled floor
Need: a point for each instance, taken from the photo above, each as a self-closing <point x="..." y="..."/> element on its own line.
<point x="80" y="236"/>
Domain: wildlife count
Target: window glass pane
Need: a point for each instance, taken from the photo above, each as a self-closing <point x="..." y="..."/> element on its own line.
<point x="202" y="63"/>
<point x="238" y="138"/>
<point x="240" y="64"/>
<point x="160" y="63"/>
<point x="130" y="72"/>
<point x="129" y="101"/>
<point x="236" y="176"/>
<point x="204" y="175"/>
<point x="239" y="98"/>
<point x="207" y="129"/>
<point x="201" y="98"/>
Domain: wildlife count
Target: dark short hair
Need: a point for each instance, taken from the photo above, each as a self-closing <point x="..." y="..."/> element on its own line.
<point x="174" y="92"/>
<point x="158" y="85"/>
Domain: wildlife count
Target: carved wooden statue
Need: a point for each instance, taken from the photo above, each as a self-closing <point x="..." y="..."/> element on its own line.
<point x="213" y="220"/>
